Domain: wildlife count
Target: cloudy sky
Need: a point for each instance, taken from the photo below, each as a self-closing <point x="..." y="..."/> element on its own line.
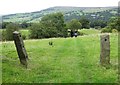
<point x="22" y="6"/>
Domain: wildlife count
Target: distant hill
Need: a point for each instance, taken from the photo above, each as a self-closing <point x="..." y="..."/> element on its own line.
<point x="92" y="13"/>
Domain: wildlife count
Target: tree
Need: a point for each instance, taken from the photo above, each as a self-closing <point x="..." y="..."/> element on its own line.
<point x="51" y="25"/>
<point x="25" y="25"/>
<point x="54" y="25"/>
<point x="114" y="23"/>
<point x="74" y="24"/>
<point x="118" y="24"/>
<point x="85" y="23"/>
<point x="99" y="23"/>
<point x="4" y="24"/>
<point x="9" y="30"/>
<point x="37" y="31"/>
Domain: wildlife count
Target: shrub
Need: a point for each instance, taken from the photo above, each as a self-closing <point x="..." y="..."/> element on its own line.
<point x="24" y="37"/>
<point x="9" y="31"/>
<point x="37" y="31"/>
<point x="114" y="31"/>
<point x="106" y="30"/>
<point x="24" y="33"/>
<point x="3" y="35"/>
<point x="51" y="25"/>
<point x="97" y="27"/>
<point x="81" y="33"/>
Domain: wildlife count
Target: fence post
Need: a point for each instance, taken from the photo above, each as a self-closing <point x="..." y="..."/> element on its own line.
<point x="105" y="49"/>
<point x="22" y="54"/>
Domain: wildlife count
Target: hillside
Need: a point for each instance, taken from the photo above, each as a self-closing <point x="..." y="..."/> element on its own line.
<point x="92" y="13"/>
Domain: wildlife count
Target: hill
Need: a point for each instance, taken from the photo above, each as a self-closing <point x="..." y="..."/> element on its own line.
<point x="92" y="13"/>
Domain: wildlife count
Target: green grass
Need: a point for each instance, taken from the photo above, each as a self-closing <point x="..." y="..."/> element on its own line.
<point x="70" y="60"/>
<point x="25" y="33"/>
<point x="89" y="31"/>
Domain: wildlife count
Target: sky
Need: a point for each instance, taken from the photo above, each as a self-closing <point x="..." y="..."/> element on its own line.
<point x="23" y="6"/>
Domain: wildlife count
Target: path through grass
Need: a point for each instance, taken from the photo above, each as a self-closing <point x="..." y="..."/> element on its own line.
<point x="73" y="60"/>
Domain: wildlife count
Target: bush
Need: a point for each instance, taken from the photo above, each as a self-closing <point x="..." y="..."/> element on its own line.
<point x="0" y="36"/>
<point x="3" y="35"/>
<point x="37" y="31"/>
<point x="9" y="31"/>
<point x="25" y="33"/>
<point x="97" y="27"/>
<point x="24" y="37"/>
<point x="106" y="30"/>
<point x="114" y="31"/>
<point x="51" y="25"/>
<point x="81" y="33"/>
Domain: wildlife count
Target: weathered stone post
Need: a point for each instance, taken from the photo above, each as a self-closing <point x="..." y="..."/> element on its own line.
<point x="105" y="49"/>
<point x="20" y="48"/>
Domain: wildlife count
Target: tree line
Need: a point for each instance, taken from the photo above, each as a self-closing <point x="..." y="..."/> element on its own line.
<point x="53" y="25"/>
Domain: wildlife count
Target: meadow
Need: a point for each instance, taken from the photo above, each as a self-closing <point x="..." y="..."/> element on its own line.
<point x="69" y="60"/>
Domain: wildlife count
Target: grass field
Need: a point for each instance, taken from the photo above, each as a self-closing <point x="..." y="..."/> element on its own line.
<point x="90" y="31"/>
<point x="70" y="60"/>
<point x="26" y="32"/>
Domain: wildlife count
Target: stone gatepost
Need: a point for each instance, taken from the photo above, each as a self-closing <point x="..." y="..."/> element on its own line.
<point x="105" y="49"/>
<point x="20" y="48"/>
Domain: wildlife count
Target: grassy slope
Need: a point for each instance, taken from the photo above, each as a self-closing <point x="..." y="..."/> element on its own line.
<point x="69" y="60"/>
<point x="76" y="11"/>
<point x="90" y="31"/>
